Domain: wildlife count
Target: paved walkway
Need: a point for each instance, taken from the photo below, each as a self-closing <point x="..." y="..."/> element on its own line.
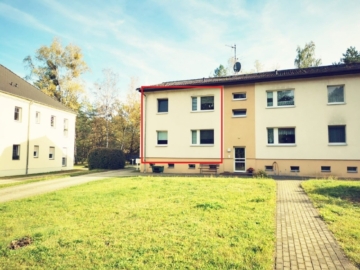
<point x="31" y="189"/>
<point x="303" y="241"/>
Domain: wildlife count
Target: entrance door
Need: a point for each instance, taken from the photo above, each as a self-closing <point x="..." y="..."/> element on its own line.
<point x="239" y="159"/>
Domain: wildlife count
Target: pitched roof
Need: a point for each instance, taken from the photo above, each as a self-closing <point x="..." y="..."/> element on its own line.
<point x="12" y="84"/>
<point x="277" y="75"/>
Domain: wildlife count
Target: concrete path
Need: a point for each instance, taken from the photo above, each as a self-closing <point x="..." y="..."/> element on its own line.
<point x="303" y="241"/>
<point x="31" y="189"/>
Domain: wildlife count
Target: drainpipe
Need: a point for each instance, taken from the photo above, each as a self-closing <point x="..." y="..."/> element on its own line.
<point x="28" y="140"/>
<point x="144" y="134"/>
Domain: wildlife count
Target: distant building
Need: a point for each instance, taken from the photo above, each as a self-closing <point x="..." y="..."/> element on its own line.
<point x="36" y="132"/>
<point x="303" y="122"/>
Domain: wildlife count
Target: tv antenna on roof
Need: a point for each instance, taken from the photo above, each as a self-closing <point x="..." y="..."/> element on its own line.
<point x="237" y="65"/>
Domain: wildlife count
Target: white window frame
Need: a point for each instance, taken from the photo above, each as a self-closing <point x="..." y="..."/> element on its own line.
<point x="51" y="152"/>
<point x="239" y="110"/>
<point x="324" y="170"/>
<point x="37" y="117"/>
<point x="64" y="157"/>
<point x="239" y="93"/>
<point x="157" y="137"/>
<point x="292" y="169"/>
<point x="351" y="170"/>
<point x="198" y="103"/>
<point x="198" y="138"/>
<point x="66" y="127"/>
<point x="275" y="98"/>
<point x="336" y="102"/>
<point x="53" y="121"/>
<point x="17" y="114"/>
<point x="36" y="151"/>
<point x="17" y="157"/>
<point x="276" y="136"/>
<point x="336" y="143"/>
<point x="162" y="99"/>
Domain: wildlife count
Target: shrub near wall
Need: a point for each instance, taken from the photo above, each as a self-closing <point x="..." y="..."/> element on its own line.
<point x="106" y="158"/>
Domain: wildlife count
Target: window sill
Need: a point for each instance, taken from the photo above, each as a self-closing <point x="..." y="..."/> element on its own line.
<point x="279" y="107"/>
<point x="162" y="113"/>
<point x="201" y="111"/>
<point x="282" y="145"/>
<point x="337" y="144"/>
<point x="336" y="103"/>
<point x="161" y="145"/>
<point x="201" y="145"/>
<point x="239" y="116"/>
<point x="239" y="99"/>
<point x="295" y="171"/>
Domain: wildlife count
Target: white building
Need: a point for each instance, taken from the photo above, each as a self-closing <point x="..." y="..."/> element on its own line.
<point x="37" y="132"/>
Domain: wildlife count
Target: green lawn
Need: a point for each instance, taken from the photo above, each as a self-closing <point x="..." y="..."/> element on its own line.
<point x="144" y="223"/>
<point x="339" y="205"/>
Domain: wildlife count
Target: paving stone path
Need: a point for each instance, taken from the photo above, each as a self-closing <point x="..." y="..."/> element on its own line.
<point x="303" y="241"/>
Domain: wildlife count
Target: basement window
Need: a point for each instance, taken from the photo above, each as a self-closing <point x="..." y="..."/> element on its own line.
<point x="192" y="166"/>
<point x="325" y="169"/>
<point x="352" y="169"/>
<point x="294" y="168"/>
<point x="171" y="165"/>
<point x="269" y="168"/>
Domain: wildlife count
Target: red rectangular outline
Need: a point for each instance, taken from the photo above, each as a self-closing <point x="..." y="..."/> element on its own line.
<point x="181" y="87"/>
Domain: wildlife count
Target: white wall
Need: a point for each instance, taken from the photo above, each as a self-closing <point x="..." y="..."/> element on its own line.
<point x="42" y="134"/>
<point x="179" y="121"/>
<point x="311" y="117"/>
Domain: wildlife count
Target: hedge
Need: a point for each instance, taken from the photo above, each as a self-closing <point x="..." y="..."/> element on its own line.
<point x="106" y="158"/>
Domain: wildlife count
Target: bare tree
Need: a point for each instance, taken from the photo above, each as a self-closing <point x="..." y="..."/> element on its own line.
<point x="107" y="92"/>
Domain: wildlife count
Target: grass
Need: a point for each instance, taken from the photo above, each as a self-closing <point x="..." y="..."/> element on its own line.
<point x="45" y="176"/>
<point x="144" y="223"/>
<point x="339" y="205"/>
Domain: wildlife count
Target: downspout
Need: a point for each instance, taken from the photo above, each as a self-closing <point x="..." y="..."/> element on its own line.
<point x="28" y="140"/>
<point x="144" y="134"/>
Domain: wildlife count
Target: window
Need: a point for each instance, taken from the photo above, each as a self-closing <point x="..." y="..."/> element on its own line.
<point x="66" y="124"/>
<point x="52" y="152"/>
<point x="37" y="117"/>
<point x="17" y="114"/>
<point x="192" y="166"/>
<point x="205" y="136"/>
<point x="269" y="168"/>
<point x="294" y="168"/>
<point x="281" y="135"/>
<point x="202" y="103"/>
<point x="352" y="169"/>
<point x="280" y="98"/>
<point x="325" y="168"/>
<point x="162" y="137"/>
<point x="16" y="152"/>
<point x="336" y="94"/>
<point x="239" y="96"/>
<point x="52" y="121"/>
<point x="337" y="134"/>
<point x="36" y="151"/>
<point x="171" y="165"/>
<point x="64" y="157"/>
<point x="239" y="113"/>
<point x="163" y="105"/>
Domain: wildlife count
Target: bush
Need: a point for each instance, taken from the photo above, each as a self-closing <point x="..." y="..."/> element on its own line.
<point x="106" y="158"/>
<point x="261" y="174"/>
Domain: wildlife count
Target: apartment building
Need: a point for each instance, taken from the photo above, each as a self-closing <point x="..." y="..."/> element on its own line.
<point x="37" y="132"/>
<point x="302" y="122"/>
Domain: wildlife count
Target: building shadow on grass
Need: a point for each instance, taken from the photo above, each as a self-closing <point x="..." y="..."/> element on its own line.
<point x="344" y="192"/>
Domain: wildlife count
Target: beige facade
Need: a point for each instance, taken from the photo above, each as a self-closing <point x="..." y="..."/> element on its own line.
<point x="310" y="116"/>
<point x="293" y="122"/>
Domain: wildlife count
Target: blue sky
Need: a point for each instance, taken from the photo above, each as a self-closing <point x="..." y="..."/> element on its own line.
<point x="160" y="40"/>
